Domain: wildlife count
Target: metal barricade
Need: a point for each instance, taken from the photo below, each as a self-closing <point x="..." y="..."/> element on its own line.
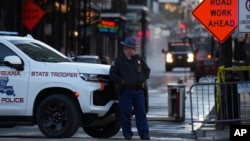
<point x="220" y="104"/>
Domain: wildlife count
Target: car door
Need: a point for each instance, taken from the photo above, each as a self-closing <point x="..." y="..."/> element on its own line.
<point x="13" y="86"/>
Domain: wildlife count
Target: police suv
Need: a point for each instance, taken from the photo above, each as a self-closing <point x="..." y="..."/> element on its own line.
<point x="178" y="54"/>
<point x="40" y="86"/>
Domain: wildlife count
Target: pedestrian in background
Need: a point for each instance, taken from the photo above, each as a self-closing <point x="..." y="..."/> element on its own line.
<point x="131" y="71"/>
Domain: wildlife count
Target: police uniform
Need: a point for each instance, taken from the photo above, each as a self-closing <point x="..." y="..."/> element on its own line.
<point x="131" y="75"/>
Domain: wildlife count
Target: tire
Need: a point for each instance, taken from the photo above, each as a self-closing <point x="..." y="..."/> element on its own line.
<point x="58" y="116"/>
<point x="7" y="126"/>
<point x="197" y="78"/>
<point x="192" y="68"/>
<point x="168" y="68"/>
<point x="106" y="131"/>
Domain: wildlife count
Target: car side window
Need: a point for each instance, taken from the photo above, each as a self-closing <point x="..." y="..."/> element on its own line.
<point x="4" y="51"/>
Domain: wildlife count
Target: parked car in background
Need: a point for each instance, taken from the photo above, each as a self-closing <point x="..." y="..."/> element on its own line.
<point x="206" y="63"/>
<point x="88" y="59"/>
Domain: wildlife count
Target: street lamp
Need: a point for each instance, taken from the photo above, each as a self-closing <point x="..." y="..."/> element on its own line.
<point x="91" y="12"/>
<point x="91" y="15"/>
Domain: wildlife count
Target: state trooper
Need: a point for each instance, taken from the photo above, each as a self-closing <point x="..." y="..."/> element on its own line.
<point x="130" y="71"/>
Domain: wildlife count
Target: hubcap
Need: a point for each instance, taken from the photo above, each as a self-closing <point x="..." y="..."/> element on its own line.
<point x="55" y="117"/>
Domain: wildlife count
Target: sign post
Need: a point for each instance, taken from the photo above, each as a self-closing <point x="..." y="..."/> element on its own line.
<point x="220" y="17"/>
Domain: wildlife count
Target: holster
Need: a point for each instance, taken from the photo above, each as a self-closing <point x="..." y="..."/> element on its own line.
<point x="118" y="88"/>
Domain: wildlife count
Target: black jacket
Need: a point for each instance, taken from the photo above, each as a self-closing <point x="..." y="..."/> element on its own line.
<point x="132" y="71"/>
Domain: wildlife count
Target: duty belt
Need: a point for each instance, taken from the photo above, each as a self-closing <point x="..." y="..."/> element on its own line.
<point x="132" y="87"/>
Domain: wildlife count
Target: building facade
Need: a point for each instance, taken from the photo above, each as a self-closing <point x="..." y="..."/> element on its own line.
<point x="79" y="26"/>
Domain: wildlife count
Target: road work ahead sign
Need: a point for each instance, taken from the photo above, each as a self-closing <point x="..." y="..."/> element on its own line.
<point x="32" y="14"/>
<point x="220" y="17"/>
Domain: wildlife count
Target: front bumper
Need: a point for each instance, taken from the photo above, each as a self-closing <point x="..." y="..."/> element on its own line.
<point x="96" y="98"/>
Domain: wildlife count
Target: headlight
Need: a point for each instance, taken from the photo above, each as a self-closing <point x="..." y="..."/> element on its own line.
<point x="94" y="77"/>
<point x="169" y="58"/>
<point x="190" y="57"/>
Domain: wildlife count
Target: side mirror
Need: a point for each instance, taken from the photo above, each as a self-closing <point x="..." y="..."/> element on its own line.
<point x="14" y="62"/>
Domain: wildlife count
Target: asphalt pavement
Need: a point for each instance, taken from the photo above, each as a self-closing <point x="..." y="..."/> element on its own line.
<point x="180" y="130"/>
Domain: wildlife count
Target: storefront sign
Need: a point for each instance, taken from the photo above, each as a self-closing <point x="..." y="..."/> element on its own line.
<point x="108" y="26"/>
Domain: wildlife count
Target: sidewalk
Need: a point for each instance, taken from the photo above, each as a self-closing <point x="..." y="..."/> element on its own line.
<point x="206" y="132"/>
<point x="209" y="133"/>
<point x="159" y="112"/>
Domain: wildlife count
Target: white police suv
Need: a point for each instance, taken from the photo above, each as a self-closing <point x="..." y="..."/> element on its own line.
<point x="39" y="85"/>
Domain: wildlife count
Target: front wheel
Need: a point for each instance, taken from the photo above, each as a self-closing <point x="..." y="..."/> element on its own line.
<point x="168" y="68"/>
<point x="197" y="78"/>
<point x="58" y="116"/>
<point x="105" y="131"/>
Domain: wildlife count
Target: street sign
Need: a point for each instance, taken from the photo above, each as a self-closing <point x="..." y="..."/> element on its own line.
<point x="243" y="88"/>
<point x="244" y="16"/>
<point x="220" y="17"/>
<point x="32" y="14"/>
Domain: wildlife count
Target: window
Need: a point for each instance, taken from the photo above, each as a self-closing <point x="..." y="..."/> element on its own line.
<point x="39" y="52"/>
<point x="180" y="48"/>
<point x="4" y="51"/>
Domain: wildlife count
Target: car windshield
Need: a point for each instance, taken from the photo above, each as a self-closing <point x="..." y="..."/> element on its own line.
<point x="182" y="48"/>
<point x="87" y="60"/>
<point x="39" y="52"/>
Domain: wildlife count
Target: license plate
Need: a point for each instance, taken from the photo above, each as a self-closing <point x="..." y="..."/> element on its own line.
<point x="179" y="57"/>
<point x="208" y="62"/>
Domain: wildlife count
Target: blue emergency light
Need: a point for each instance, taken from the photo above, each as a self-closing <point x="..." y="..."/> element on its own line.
<point x="8" y="33"/>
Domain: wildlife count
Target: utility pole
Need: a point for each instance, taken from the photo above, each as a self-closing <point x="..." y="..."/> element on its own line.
<point x="230" y="109"/>
<point x="143" y="30"/>
<point x="227" y="47"/>
<point x="85" y="27"/>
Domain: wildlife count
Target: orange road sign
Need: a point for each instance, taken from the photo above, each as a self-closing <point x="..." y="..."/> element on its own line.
<point x="32" y="14"/>
<point x="220" y="17"/>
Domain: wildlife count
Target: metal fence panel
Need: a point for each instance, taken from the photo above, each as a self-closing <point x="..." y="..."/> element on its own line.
<point x="220" y="103"/>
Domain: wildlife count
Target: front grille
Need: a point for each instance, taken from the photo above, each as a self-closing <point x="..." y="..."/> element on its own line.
<point x="102" y="97"/>
<point x="180" y="60"/>
<point x="180" y="57"/>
